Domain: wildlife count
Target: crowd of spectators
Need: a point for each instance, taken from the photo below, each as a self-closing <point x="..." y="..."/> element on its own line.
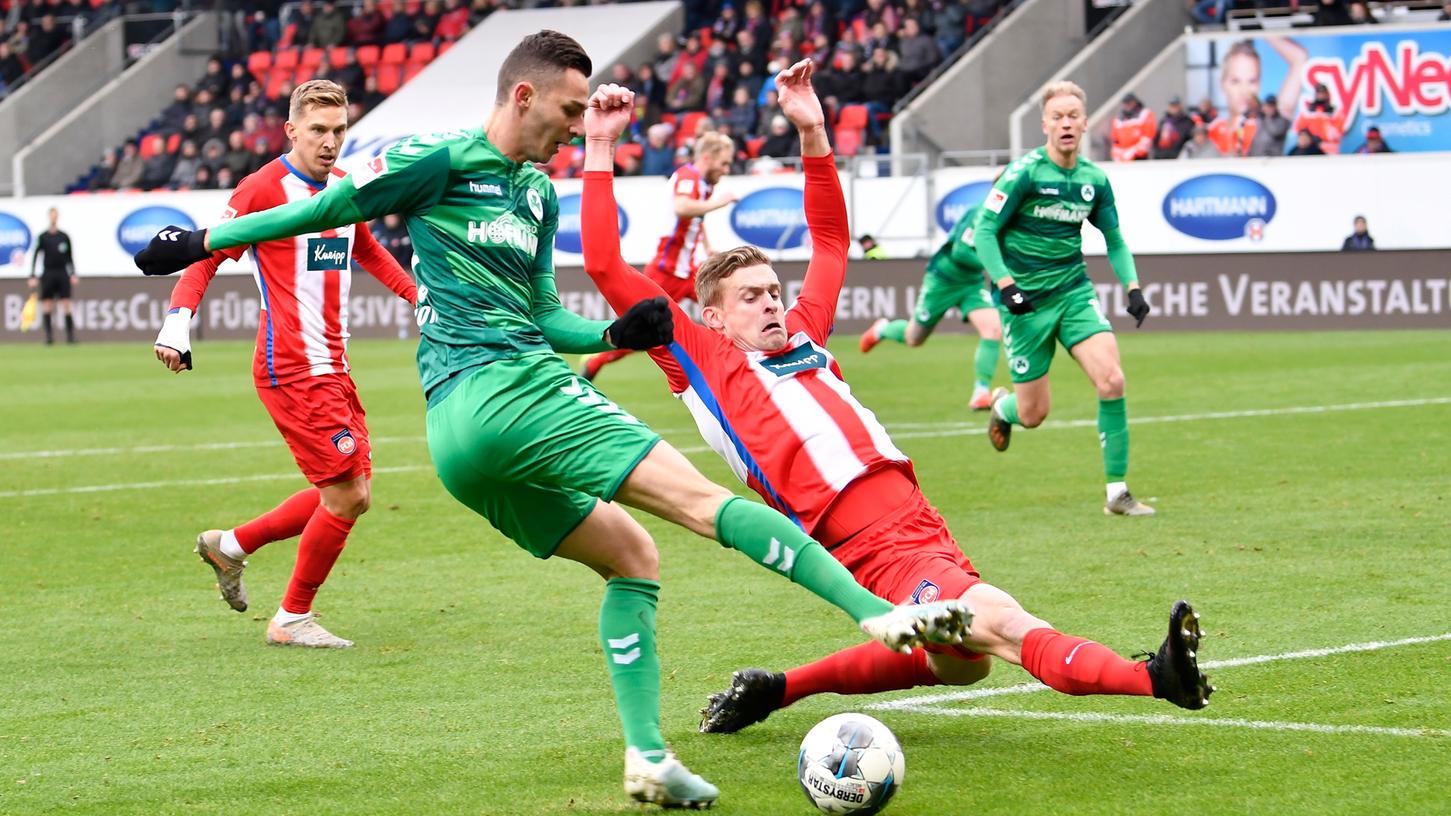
<point x="230" y="122"/>
<point x="719" y="73"/>
<point x="32" y="31"/>
<point x="1322" y="12"/>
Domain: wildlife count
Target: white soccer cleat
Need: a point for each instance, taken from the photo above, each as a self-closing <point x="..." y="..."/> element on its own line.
<point x="227" y="568"/>
<point x="306" y="632"/>
<point x="667" y="783"/>
<point x="944" y="622"/>
<point x="1124" y="504"/>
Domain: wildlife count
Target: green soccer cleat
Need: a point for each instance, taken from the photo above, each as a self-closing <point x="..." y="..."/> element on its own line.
<point x="666" y="783"/>
<point x="753" y="695"/>
<point x="227" y="568"/>
<point x="999" y="430"/>
<point x="942" y="622"/>
<point x="1174" y="669"/>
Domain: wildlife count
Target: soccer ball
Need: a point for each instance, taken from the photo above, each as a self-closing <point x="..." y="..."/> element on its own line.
<point x="850" y="763"/>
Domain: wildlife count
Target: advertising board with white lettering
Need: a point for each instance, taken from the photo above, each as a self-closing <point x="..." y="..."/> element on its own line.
<point x="1394" y="79"/>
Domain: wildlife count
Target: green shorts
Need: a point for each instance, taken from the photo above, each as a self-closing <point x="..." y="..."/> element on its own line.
<point x="530" y="446"/>
<point x="938" y="295"/>
<point x="1069" y="318"/>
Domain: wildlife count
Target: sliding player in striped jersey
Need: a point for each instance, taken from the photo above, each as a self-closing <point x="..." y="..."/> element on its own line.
<point x="769" y="398"/>
<point x="954" y="279"/>
<point x="300" y="366"/>
<point x="681" y="252"/>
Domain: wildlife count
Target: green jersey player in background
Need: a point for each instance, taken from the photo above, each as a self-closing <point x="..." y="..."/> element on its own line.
<point x="1030" y="238"/>
<point x="514" y="434"/>
<point x="954" y="279"/>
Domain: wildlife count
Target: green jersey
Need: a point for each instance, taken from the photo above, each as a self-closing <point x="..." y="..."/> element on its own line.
<point x="956" y="261"/>
<point x="483" y="229"/>
<point x="1035" y="214"/>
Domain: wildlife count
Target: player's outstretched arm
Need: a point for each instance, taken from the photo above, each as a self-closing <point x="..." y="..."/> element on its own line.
<point x="381" y="264"/>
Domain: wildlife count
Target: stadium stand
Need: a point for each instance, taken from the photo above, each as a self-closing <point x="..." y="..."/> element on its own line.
<point x="34" y="33"/>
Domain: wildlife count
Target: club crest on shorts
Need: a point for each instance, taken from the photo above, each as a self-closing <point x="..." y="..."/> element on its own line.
<point x="926" y="592"/>
<point x="345" y="443"/>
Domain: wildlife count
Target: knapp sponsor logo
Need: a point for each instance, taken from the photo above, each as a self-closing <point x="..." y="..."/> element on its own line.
<point x="953" y="205"/>
<point x="566" y="237"/>
<point x="773" y="218"/>
<point x="138" y="228"/>
<point x="14" y="240"/>
<point x="1220" y="207"/>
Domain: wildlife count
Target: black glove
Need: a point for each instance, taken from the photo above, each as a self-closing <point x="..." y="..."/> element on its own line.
<point x="1016" y="299"/>
<point x="645" y="325"/>
<point x="1138" y="307"/>
<point x="171" y="249"/>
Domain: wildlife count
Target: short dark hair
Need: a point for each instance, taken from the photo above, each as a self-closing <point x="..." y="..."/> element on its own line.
<point x="545" y="52"/>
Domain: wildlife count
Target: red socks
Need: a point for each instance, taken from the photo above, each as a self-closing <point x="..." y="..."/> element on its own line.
<point x="322" y="542"/>
<point x="280" y="523"/>
<point x="602" y="359"/>
<point x="1073" y="665"/>
<point x="864" y="669"/>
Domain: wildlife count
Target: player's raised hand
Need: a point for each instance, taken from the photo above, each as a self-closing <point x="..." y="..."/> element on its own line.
<point x="171" y="249"/>
<point x="609" y="112"/>
<point x="797" y="98"/>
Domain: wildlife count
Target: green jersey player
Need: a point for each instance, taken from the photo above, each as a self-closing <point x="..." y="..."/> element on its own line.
<point x="1030" y="238"/>
<point x="514" y="434"/>
<point x="954" y="279"/>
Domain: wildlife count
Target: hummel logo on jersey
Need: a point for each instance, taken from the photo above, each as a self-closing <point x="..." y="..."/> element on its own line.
<point x="485" y="189"/>
<point x="1048" y="191"/>
<point x="618" y="647"/>
<point x="506" y="230"/>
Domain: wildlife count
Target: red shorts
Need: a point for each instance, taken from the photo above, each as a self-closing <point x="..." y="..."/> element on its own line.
<point x="323" y="424"/>
<point x="909" y="556"/>
<point x="677" y="288"/>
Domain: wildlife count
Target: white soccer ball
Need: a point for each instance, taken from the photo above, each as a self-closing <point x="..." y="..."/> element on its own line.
<point x="850" y="763"/>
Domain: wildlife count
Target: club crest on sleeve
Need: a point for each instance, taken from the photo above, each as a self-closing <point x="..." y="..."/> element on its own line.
<point x="926" y="592"/>
<point x="995" y="200"/>
<point x="345" y="443"/>
<point x="536" y="203"/>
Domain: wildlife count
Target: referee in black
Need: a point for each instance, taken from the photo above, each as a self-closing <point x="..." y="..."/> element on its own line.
<point x="56" y="278"/>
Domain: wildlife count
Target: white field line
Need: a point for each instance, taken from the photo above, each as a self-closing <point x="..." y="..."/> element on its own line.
<point x="927" y="700"/>
<point x="925" y="432"/>
<point x="1165" y="719"/>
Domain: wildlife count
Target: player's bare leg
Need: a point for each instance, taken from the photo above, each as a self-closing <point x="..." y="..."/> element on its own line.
<point x="1099" y="358"/>
<point x="1026" y="405"/>
<point x="989" y="327"/>
<point x="323" y="539"/>
<point x="666" y="485"/>
<point x="616" y="547"/>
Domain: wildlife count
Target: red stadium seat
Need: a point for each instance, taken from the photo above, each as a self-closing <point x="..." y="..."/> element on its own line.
<point x="753" y="146"/>
<point x="275" y="80"/>
<point x="304" y="73"/>
<point x="687" y="127"/>
<point x="627" y="149"/>
<point x="412" y="7"/>
<point x="411" y="70"/>
<point x="367" y="57"/>
<point x="337" y="56"/>
<point x="151" y="145"/>
<point x="258" y="64"/>
<point x="422" y="53"/>
<point x="848" y="141"/>
<point x="444" y="46"/>
<point x="173" y="143"/>
<point x="312" y="57"/>
<point x="289" y="33"/>
<point x="395" y="54"/>
<point x="286" y="58"/>
<point x="852" y="117"/>
<point x="668" y="118"/>
<point x="389" y="77"/>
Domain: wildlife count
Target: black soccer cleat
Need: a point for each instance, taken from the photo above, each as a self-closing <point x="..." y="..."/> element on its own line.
<point x="999" y="430"/>
<point x="752" y="696"/>
<point x="1174" y="670"/>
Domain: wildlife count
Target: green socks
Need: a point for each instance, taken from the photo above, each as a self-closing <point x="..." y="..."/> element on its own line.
<point x="985" y="362"/>
<point x="769" y="539"/>
<point x="1113" y="435"/>
<point x="1007" y="408"/>
<point x="627" y="632"/>
<point x="895" y="330"/>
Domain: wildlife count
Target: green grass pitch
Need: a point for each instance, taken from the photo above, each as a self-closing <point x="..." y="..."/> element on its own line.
<point x="1304" y="498"/>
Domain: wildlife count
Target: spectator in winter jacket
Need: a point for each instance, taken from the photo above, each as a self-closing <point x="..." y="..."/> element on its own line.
<point x="1374" y="143"/>
<point x="1199" y="146"/>
<point x="1269" y="138"/>
<point x="1132" y="131"/>
<point x="1175" y="128"/>
<point x="1359" y="240"/>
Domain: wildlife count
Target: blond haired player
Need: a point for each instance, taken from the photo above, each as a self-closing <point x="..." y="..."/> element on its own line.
<point x="680" y="253"/>
<point x="300" y="366"/>
<point x="1029" y="236"/>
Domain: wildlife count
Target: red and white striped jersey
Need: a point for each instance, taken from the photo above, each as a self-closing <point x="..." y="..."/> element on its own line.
<point x="304" y="282"/>
<point x="682" y="251"/>
<point x="786" y="422"/>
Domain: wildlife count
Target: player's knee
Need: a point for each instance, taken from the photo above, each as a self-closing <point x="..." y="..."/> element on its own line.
<point x="916" y="335"/>
<point x="1031" y="416"/>
<point x="640" y="559"/>
<point x="954" y="670"/>
<point x="1111" y="384"/>
<point x="350" y="502"/>
<point x="992" y="333"/>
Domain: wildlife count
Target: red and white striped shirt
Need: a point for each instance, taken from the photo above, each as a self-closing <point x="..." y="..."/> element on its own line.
<point x="682" y="251"/>
<point x="786" y="422"/>
<point x="304" y="281"/>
